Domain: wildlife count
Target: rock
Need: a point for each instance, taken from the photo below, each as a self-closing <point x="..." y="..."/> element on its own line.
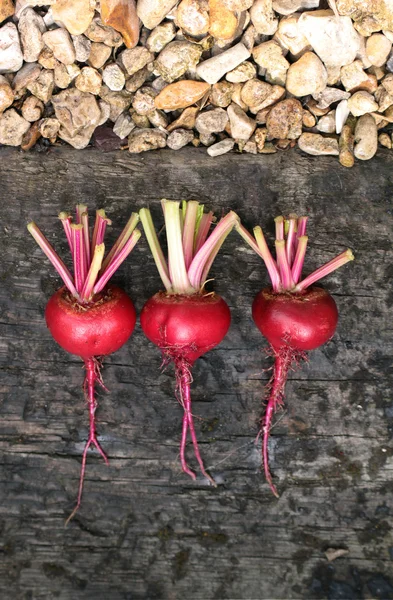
<point x="385" y="140"/>
<point x="179" y="138"/>
<point x="192" y="17"/>
<point x="269" y="56"/>
<point x="389" y="63"/>
<point x="42" y="87"/>
<point x="238" y="5"/>
<point x="143" y="101"/>
<point x="6" y="9"/>
<point x="186" y="120"/>
<point x="354" y="78"/>
<point x="211" y="121"/>
<point x="258" y="95"/>
<point x="378" y="48"/>
<point x="366" y="138"/>
<point x="158" y="119"/>
<point x="27" y="74"/>
<point x="221" y="147"/>
<point x="122" y="16"/>
<point x="46" y="59"/>
<point x="181" y="94"/>
<point x="207" y="139"/>
<point x="327" y="123"/>
<point x="113" y="77"/>
<point x="387" y="83"/>
<point x="103" y="34"/>
<point x="242" y="126"/>
<point x="134" y="59"/>
<point x="11" y="58"/>
<point x="142" y="140"/>
<point x="342" y="113"/>
<point x="333" y="38"/>
<point x="263" y="17"/>
<point x="221" y="94"/>
<point x="236" y="95"/>
<point x="306" y="76"/>
<point x="62" y="78"/>
<point x="223" y="22"/>
<point x="49" y="128"/>
<point x="369" y="15"/>
<point x="308" y="119"/>
<point x="317" y="145"/>
<point x="345" y="144"/>
<point x="75" y="15"/>
<point x="330" y="95"/>
<point x="141" y="121"/>
<point x="288" y="7"/>
<point x="290" y="36"/>
<point x="123" y="126"/>
<point x="214" y="68"/>
<point x="82" y="46"/>
<point x="313" y="107"/>
<point x="12" y="128"/>
<point x="31" y="137"/>
<point x="105" y="109"/>
<point x="285" y="120"/>
<point x="384" y="98"/>
<point x="260" y="138"/>
<point x="99" y="54"/>
<point x="89" y="80"/>
<point x="78" y="114"/>
<point x="161" y="36"/>
<point x="118" y="101"/>
<point x="177" y="58"/>
<point x="104" y="139"/>
<point x="31" y="27"/>
<point x="136" y="81"/>
<point x="245" y="71"/>
<point x="361" y="103"/>
<point x="60" y="42"/>
<point x="6" y="94"/>
<point x="152" y="12"/>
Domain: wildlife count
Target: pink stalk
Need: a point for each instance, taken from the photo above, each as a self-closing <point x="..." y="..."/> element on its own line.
<point x="85" y="223"/>
<point x="285" y="271"/>
<point x="99" y="229"/>
<point x="189" y="231"/>
<point x="299" y="258"/>
<point x="116" y="262"/>
<point x="329" y="267"/>
<point x="53" y="257"/>
<point x="301" y="226"/>
<point x="270" y="263"/>
<point x="66" y="220"/>
<point x="121" y="240"/>
<point x="279" y="221"/>
<point x="291" y="237"/>
<point x="206" y="220"/>
<point x="80" y="209"/>
<point x="78" y="256"/>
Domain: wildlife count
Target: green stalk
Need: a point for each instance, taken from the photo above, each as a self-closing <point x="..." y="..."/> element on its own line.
<point x="177" y="268"/>
<point x="155" y="248"/>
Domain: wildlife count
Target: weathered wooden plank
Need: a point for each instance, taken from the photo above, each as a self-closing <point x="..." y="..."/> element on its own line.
<point x="144" y="530"/>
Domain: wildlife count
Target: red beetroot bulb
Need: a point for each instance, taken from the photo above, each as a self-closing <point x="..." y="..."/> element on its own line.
<point x="89" y="317"/>
<point x="293" y="315"/>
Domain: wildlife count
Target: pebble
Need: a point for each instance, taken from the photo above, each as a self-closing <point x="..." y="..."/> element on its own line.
<point x="263" y="17"/>
<point x="99" y="54"/>
<point x="143" y="101"/>
<point x="62" y="78"/>
<point x="245" y="71"/>
<point x="223" y="22"/>
<point x="285" y="120"/>
<point x="103" y="34"/>
<point x="242" y="126"/>
<point x="385" y="140"/>
<point x="192" y="17"/>
<point x="213" y="69"/>
<point x="6" y="94"/>
<point x="238" y="5"/>
<point x="207" y="139"/>
<point x="378" y="48"/>
<point x="46" y="59"/>
<point x="31" y="27"/>
<point x="211" y="121"/>
<point x="75" y="15"/>
<point x="221" y="147"/>
<point x="82" y="46"/>
<point x="43" y="86"/>
<point x="342" y="114"/>
<point x="134" y="59"/>
<point x="123" y="125"/>
<point x="7" y="9"/>
<point x="269" y="56"/>
<point x="258" y="95"/>
<point x="306" y="76"/>
<point x="11" y="57"/>
<point x="308" y="119"/>
<point x="221" y="93"/>
<point x="317" y="145"/>
<point x="122" y="16"/>
<point x="49" y="128"/>
<point x="353" y="77"/>
<point x="290" y="36"/>
<point x="12" y="128"/>
<point x="158" y="119"/>
<point x="327" y="123"/>
<point x="329" y="96"/>
<point x="345" y="144"/>
<point x="142" y="140"/>
<point x="181" y="94"/>
<point x="28" y="73"/>
<point x="288" y="7"/>
<point x="260" y="138"/>
<point x="177" y="58"/>
<point x="89" y="80"/>
<point x="60" y="42"/>
<point x="78" y="114"/>
<point x="113" y="77"/>
<point x="361" y="103"/>
<point x="136" y="81"/>
<point x="366" y="137"/>
<point x="179" y="138"/>
<point x="141" y="121"/>
<point x="186" y="120"/>
<point x="31" y="137"/>
<point x="383" y="98"/>
<point x="161" y="36"/>
<point x="152" y="12"/>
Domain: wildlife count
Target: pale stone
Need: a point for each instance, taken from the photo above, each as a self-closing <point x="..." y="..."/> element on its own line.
<point x="46" y="59"/>
<point x="260" y="138"/>
<point x="60" y="42"/>
<point x="263" y="17"/>
<point x="192" y="17"/>
<point x="73" y="71"/>
<point x="28" y="73"/>
<point x="288" y="7"/>
<point x="49" y="128"/>
<point x="136" y="81"/>
<point x="385" y="140"/>
<point x="237" y="95"/>
<point x="330" y="95"/>
<point x="113" y="77"/>
<point x="75" y="15"/>
<point x="384" y="98"/>
<point x="212" y="121"/>
<point x="214" y="68"/>
<point x="118" y="101"/>
<point x="177" y="58"/>
<point x="6" y="94"/>
<point x="89" y="80"/>
<point x="11" y="58"/>
<point x="317" y="145"/>
<point x="306" y="76"/>
<point x="122" y="16"/>
<point x="366" y="138"/>
<point x="308" y="119"/>
<point x="369" y="15"/>
<point x="62" y="78"/>
<point x="161" y="36"/>
<point x="181" y="94"/>
<point x="158" y="119"/>
<point x="242" y="126"/>
<point x="103" y="34"/>
<point x="387" y="83"/>
<point x="82" y="46"/>
<point x="361" y="103"/>
<point x="334" y="39"/>
<point x="99" y="54"/>
<point x="250" y="147"/>
<point x="378" y="48"/>
<point x="186" y="120"/>
<point x="141" y="121"/>
<point x="354" y="77"/>
<point x="123" y="126"/>
<point x="105" y="109"/>
<point x="207" y="139"/>
<point x="327" y="123"/>
<point x="152" y="12"/>
<point x="20" y="5"/>
<point x="143" y="101"/>
<point x="12" y="128"/>
<point x="179" y="138"/>
<point x="31" y="27"/>
<point x="78" y="113"/>
<point x="285" y="120"/>
<point x="269" y="56"/>
<point x="290" y="36"/>
<point x="342" y="114"/>
<point x="42" y="87"/>
<point x="333" y="75"/>
<point x="142" y="140"/>
<point x="6" y="9"/>
<point x="238" y="5"/>
<point x="221" y="147"/>
<point x="258" y="95"/>
<point x="245" y="71"/>
<point x="223" y="22"/>
<point x="134" y="59"/>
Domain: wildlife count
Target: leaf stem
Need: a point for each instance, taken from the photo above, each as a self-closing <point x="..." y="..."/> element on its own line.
<point x="299" y="258"/>
<point x="91" y="278"/>
<point x="117" y="261"/>
<point x="121" y="240"/>
<point x="155" y="247"/>
<point x="177" y="268"/>
<point x="190" y="220"/>
<point x="283" y="265"/>
<point x="329" y="267"/>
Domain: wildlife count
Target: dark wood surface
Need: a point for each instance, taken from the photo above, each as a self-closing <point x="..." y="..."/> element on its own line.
<point x="145" y="530"/>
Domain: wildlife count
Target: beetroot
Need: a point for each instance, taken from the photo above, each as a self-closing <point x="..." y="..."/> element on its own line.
<point x="294" y="316"/>
<point x="89" y="317"/>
